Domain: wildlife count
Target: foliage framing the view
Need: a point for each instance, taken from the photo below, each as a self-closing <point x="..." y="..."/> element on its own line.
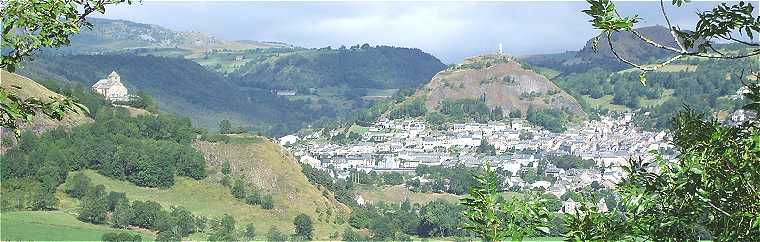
<point x="718" y="24"/>
<point x="495" y="219"/>
<point x="709" y="192"/>
<point x="29" y="25"/>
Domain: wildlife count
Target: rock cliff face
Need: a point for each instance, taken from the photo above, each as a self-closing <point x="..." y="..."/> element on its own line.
<point x="503" y="81"/>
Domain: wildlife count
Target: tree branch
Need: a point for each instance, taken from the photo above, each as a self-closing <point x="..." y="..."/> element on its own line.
<point x="670" y="27"/>
<point x="640" y="67"/>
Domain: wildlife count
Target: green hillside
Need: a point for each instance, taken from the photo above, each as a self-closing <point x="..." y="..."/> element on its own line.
<point x="705" y="85"/>
<point x="26" y="88"/>
<point x="356" y="67"/>
<point x="209" y="79"/>
<point x="52" y="225"/>
<point x="182" y="87"/>
<point x="626" y="44"/>
<point x="148" y="158"/>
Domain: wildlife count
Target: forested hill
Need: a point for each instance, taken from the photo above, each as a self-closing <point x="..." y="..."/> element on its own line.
<point x="626" y="44"/>
<point x="607" y="85"/>
<point x="209" y="80"/>
<point x="179" y="86"/>
<point x="363" y="66"/>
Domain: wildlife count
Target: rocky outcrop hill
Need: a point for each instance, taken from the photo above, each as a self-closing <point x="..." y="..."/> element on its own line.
<point x="503" y="81"/>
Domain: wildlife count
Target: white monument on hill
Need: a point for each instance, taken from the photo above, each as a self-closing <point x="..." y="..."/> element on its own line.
<point x="112" y="88"/>
<point x="501" y="52"/>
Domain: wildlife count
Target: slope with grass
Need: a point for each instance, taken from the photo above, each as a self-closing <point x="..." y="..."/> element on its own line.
<point x="259" y="162"/>
<point x="28" y="88"/>
<point x="266" y="166"/>
<point x="52" y="226"/>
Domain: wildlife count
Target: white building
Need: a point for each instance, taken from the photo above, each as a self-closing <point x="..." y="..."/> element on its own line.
<point x="288" y="139"/>
<point x="112" y="88"/>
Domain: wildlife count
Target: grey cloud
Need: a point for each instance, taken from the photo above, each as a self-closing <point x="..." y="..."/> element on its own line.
<point x="449" y="30"/>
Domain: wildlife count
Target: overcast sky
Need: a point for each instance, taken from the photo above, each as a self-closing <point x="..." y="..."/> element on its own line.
<point x="448" y="30"/>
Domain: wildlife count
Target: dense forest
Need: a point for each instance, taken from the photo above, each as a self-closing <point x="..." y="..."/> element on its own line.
<point x="355" y="67"/>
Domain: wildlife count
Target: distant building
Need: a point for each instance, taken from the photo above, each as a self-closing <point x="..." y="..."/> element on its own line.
<point x="360" y="200"/>
<point x="112" y="88"/>
<point x="288" y="140"/>
<point x="279" y="92"/>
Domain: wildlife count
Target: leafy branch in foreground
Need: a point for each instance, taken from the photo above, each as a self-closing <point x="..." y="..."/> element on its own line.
<point x="494" y="219"/>
<point x="588" y="223"/>
<point x="28" y="26"/>
<point x="14" y="108"/>
<point x="717" y="25"/>
<point x="711" y="191"/>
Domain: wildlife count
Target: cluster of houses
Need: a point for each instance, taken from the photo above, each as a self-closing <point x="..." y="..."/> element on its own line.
<point x="402" y="145"/>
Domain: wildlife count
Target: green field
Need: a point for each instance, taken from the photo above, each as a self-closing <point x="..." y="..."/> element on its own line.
<point x="398" y="194"/>
<point x="358" y="129"/>
<point x="606" y="102"/>
<point x="668" y="68"/>
<point x="51" y="225"/>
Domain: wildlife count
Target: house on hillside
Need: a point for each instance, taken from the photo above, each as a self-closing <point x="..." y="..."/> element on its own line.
<point x="283" y="92"/>
<point x="112" y="88"/>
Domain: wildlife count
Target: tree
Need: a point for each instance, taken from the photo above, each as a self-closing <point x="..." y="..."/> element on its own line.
<point x="27" y="27"/>
<point x="94" y="206"/>
<point x="238" y="190"/>
<point x="78" y="185"/>
<point x="351" y="235"/>
<point x="226" y="170"/>
<point x="515" y="113"/>
<point x="303" y="226"/>
<point x="122" y="214"/>
<point x="494" y="219"/>
<point x="552" y="202"/>
<point x="274" y="234"/>
<point x="267" y="203"/>
<point x="182" y="221"/>
<point x="383" y="228"/>
<point x="497" y="114"/>
<point x="225" y="230"/>
<point x="114" y="198"/>
<point x="122" y="237"/>
<point x="144" y="101"/>
<point x="250" y="231"/>
<point x="486" y="148"/>
<point x="708" y="189"/>
<point x="44" y="198"/>
<point x="225" y="127"/>
<point x="441" y="218"/>
<point x="253" y="198"/>
<point x="145" y="214"/>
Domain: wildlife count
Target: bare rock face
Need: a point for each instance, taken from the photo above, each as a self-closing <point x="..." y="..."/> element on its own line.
<point x="503" y="82"/>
